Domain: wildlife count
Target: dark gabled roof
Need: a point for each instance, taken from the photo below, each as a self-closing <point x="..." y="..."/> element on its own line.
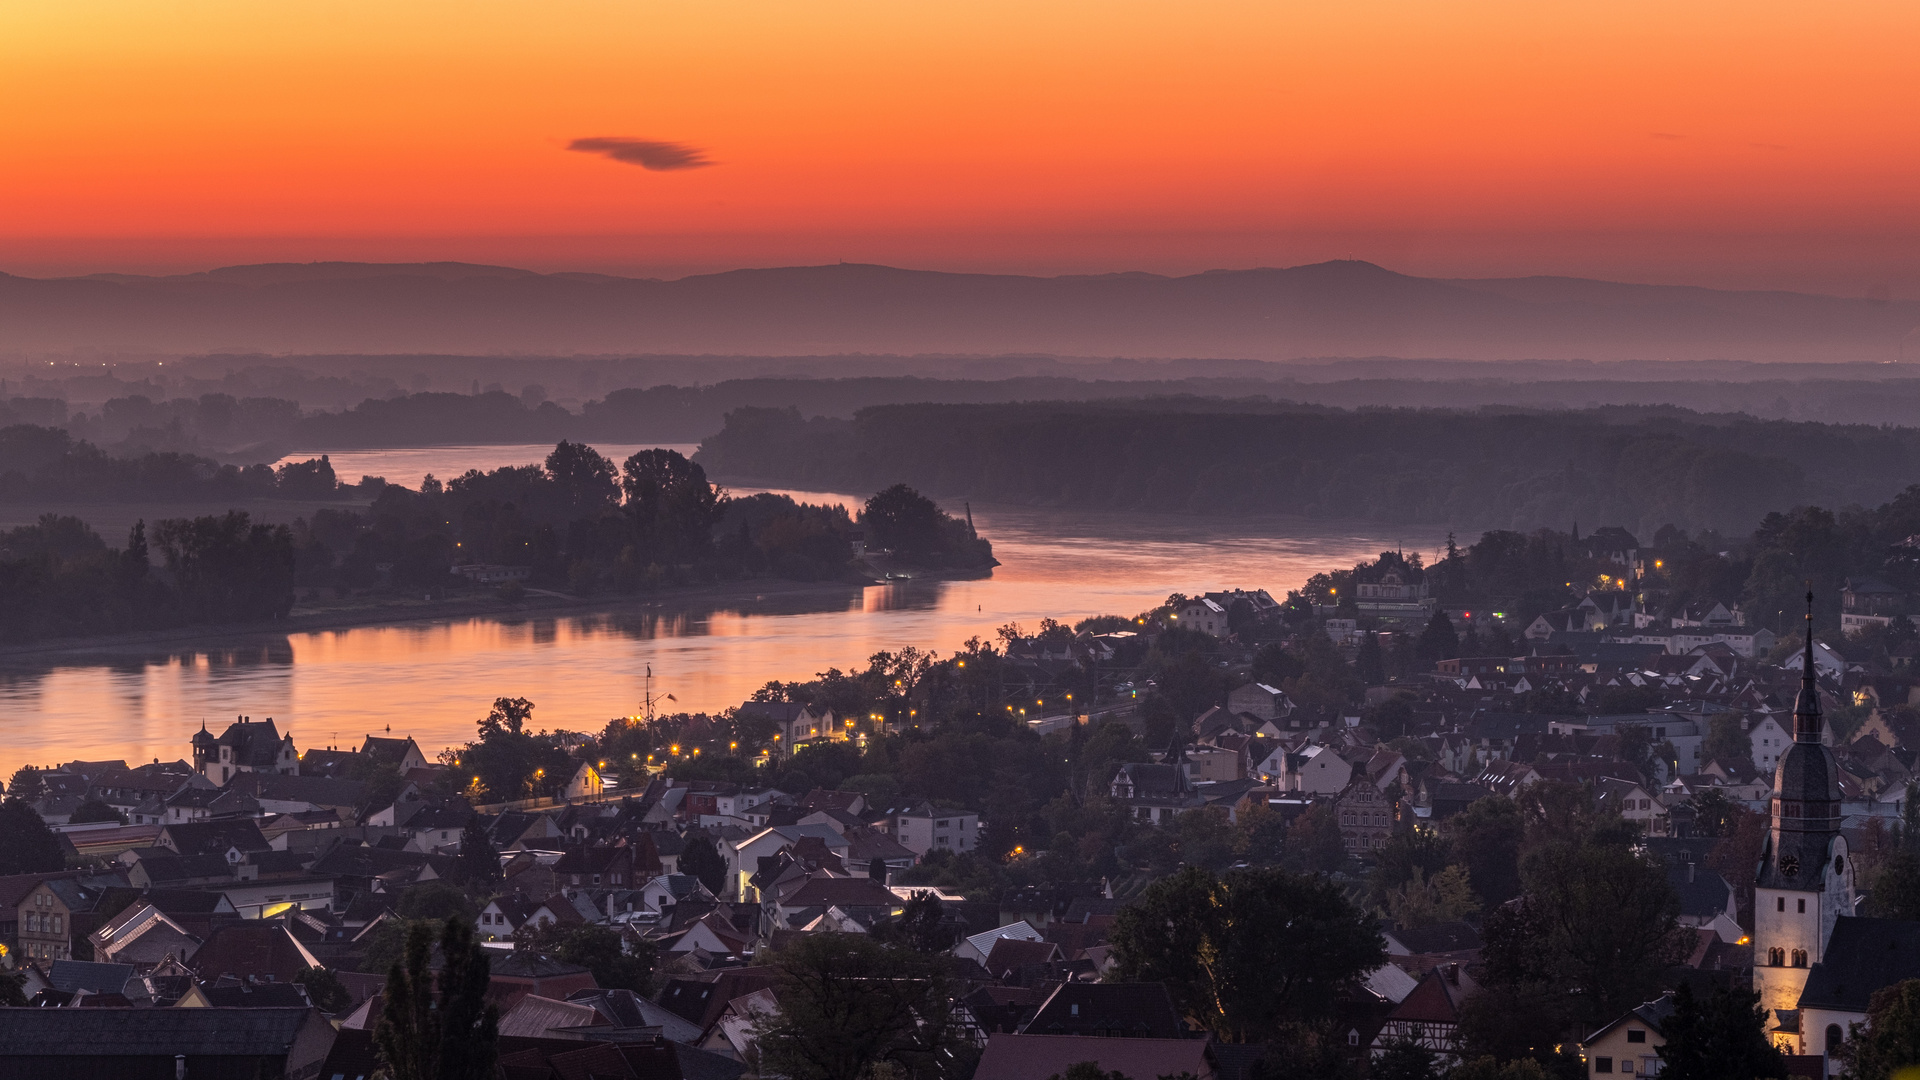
<point x="1447" y="937"/>
<point x="250" y="948"/>
<point x="1434" y="1001"/>
<point x="1862" y="956"/>
<point x="215" y="837"/>
<point x="320" y="790"/>
<point x="1652" y="1013"/>
<point x="70" y="975"/>
<point x="522" y="964"/>
<point x="1135" y="1010"/>
<point x="269" y="996"/>
<point x="1703" y="892"/>
<point x="150" y="1033"/>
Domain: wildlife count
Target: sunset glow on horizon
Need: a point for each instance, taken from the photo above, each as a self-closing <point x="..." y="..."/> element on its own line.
<point x="1752" y="145"/>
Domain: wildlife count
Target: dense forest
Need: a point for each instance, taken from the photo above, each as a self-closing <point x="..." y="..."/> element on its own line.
<point x="577" y="522"/>
<point x="45" y="464"/>
<point x="58" y="578"/>
<point x="1641" y="468"/>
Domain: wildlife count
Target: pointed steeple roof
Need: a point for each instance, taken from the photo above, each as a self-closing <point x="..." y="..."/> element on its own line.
<point x="1807" y="722"/>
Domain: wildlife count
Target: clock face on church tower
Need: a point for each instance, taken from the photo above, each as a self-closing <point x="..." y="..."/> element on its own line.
<point x="1790" y="864"/>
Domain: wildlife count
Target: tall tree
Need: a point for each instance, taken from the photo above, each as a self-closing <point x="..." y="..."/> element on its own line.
<point x="615" y="964"/>
<point x="1245" y="951"/>
<point x="1609" y="916"/>
<point x="27" y="784"/>
<point x="848" y="1002"/>
<point x="1890" y="1043"/>
<point x="27" y="846"/>
<point x="477" y="867"/>
<point x="1725" y="1035"/>
<point x="1486" y="838"/>
<point x="702" y="859"/>
<point x="449" y="1035"/>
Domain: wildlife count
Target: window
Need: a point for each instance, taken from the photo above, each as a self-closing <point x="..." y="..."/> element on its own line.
<point x="1636" y="1035"/>
<point x="1603" y="1064"/>
<point x="1799" y="958"/>
<point x="1779" y="903"/>
<point x="1353" y="1037"/>
<point x="1626" y="1065"/>
<point x="1834" y="1038"/>
<point x="1803" y="907"/>
<point x="1776" y="957"/>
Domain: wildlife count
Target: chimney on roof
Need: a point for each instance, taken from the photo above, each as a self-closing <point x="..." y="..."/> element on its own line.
<point x="1690" y="873"/>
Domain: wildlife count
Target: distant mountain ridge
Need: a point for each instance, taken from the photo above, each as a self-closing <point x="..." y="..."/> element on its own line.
<point x="1325" y="309"/>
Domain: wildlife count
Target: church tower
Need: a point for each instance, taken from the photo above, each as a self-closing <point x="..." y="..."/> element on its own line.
<point x="1805" y="878"/>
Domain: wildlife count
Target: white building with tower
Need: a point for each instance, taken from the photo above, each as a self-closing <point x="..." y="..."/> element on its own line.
<point x="1804" y="882"/>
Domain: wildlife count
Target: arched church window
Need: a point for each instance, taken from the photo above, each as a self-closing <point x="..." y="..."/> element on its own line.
<point x="1834" y="1038"/>
<point x="1839" y="863"/>
<point x="1776" y="957"/>
<point x="1799" y="958"/>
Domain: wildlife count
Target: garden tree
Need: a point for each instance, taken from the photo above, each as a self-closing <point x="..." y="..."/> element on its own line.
<point x="1314" y="843"/>
<point x="1245" y="951"/>
<point x="1487" y="1067"/>
<point x="702" y="859"/>
<point x="1300" y="1051"/>
<point x="1389" y="718"/>
<point x="27" y="784"/>
<point x="615" y="963"/>
<point x="1485" y="838"/>
<point x="1438" y="641"/>
<point x="477" y="867"/>
<point x="1725" y="1035"/>
<point x="509" y="761"/>
<point x="1370" y="663"/>
<point x="13" y="989"/>
<point x="1608" y="916"/>
<point x="443" y="1032"/>
<point x="324" y="989"/>
<point x="1890" y="1043"/>
<point x="922" y="925"/>
<point x="1445" y="897"/>
<point x="848" y="1002"/>
<point x="1275" y="664"/>
<point x="1714" y="813"/>
<point x="1403" y="1059"/>
<point x="1405" y="856"/>
<point x="94" y="810"/>
<point x="27" y="846"/>
<point x="435" y="900"/>
<point x="1635" y="745"/>
<point x="1896" y="886"/>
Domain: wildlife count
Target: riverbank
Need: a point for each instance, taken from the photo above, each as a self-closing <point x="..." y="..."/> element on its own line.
<point x="389" y="609"/>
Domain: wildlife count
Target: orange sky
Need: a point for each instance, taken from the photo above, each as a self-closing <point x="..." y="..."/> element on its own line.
<point x="1758" y="143"/>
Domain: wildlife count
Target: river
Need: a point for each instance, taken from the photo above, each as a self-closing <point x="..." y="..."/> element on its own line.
<point x="432" y="679"/>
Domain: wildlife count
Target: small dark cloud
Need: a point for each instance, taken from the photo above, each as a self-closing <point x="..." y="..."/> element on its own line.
<point x="646" y="153"/>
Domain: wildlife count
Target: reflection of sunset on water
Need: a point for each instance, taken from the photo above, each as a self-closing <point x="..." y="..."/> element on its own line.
<point x="432" y="680"/>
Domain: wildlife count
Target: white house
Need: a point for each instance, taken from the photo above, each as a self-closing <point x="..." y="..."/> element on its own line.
<point x="924" y="829"/>
<point x="1316" y="770"/>
<point x="1203" y="615"/>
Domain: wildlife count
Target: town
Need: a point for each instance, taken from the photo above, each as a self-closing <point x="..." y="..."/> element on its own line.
<point x="1549" y="805"/>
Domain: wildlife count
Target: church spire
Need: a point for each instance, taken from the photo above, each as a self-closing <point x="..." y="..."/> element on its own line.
<point x="1806" y="711"/>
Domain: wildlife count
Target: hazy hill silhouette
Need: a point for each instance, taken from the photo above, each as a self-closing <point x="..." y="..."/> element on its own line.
<point x="1325" y="309"/>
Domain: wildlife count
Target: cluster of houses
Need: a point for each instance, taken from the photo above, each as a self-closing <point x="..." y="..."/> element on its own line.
<point x="238" y="872"/>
